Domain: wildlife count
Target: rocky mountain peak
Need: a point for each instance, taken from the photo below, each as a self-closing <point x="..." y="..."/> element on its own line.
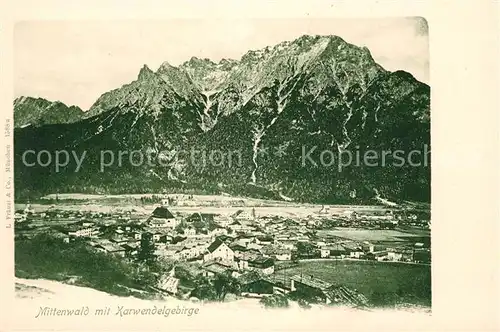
<point x="40" y="111"/>
<point x="312" y="91"/>
<point x="145" y="73"/>
<point x="164" y="67"/>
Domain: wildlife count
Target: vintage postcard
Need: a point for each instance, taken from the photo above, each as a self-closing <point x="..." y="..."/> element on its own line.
<point x="173" y="172"/>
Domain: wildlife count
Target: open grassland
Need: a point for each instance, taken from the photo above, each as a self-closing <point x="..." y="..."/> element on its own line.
<point x="187" y="204"/>
<point x="384" y="283"/>
<point x="372" y="235"/>
<point x="201" y="200"/>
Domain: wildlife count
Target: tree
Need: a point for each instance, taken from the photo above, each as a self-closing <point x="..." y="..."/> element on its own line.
<point x="186" y="277"/>
<point x="199" y="225"/>
<point x="224" y="284"/>
<point x="146" y="252"/>
<point x="306" y="249"/>
<point x="211" y="226"/>
<point x="204" y="290"/>
<point x="180" y="228"/>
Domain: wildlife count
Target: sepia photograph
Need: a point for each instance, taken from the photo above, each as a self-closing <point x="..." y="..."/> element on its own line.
<point x="264" y="163"/>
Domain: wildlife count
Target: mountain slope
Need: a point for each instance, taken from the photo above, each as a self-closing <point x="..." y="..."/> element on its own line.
<point x="217" y="127"/>
<point x="39" y="111"/>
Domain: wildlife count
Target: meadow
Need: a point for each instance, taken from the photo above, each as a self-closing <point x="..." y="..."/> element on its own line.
<point x="386" y="284"/>
<point x="372" y="235"/>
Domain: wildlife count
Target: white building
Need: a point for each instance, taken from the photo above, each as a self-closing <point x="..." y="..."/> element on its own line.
<point x="83" y="230"/>
<point x="189" y="231"/>
<point x="162" y="218"/>
<point x="218" y="251"/>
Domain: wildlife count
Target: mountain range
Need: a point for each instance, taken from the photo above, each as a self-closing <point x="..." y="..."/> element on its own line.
<point x="29" y="111"/>
<point x="315" y="91"/>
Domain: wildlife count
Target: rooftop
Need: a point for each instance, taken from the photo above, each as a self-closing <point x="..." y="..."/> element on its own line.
<point x="250" y="277"/>
<point x="262" y="261"/>
<point x="162" y="212"/>
<point x="216" y="244"/>
<point x="311" y="281"/>
<point x="111" y="247"/>
<point x="217" y="268"/>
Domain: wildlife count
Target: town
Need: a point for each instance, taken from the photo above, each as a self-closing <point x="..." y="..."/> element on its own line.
<point x="260" y="251"/>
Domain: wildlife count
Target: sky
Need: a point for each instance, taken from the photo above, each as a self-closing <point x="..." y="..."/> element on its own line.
<point x="77" y="61"/>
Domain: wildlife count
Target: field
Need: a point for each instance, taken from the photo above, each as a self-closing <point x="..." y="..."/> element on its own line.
<point x="219" y="204"/>
<point x="374" y="235"/>
<point x="384" y="283"/>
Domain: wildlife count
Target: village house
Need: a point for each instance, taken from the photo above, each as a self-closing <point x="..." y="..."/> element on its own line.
<point x="311" y="288"/>
<point x="157" y="236"/>
<point x="189" y="231"/>
<point x="250" y="254"/>
<point x="217" y="231"/>
<point x="201" y="237"/>
<point x="119" y="239"/>
<point x="281" y="237"/>
<point x="192" y="250"/>
<point x="337" y="250"/>
<point x="214" y="268"/>
<point x="162" y="218"/>
<point x="302" y="238"/>
<point x="170" y="251"/>
<point x="394" y="254"/>
<point x="264" y="240"/>
<point x="241" y="263"/>
<point x="227" y="239"/>
<point x="205" y="218"/>
<point x="160" y="245"/>
<point x="254" y="246"/>
<point x="238" y="248"/>
<point x="259" y="233"/>
<point x="324" y="252"/>
<point x="20" y="217"/>
<point x="407" y="254"/>
<point x="378" y="255"/>
<point x="288" y="244"/>
<point x="386" y="217"/>
<point x="263" y="264"/>
<point x="28" y="209"/>
<point x="368" y="247"/>
<point x="242" y="215"/>
<point x="168" y="283"/>
<point x="240" y="226"/>
<point x="81" y="229"/>
<point x="223" y="220"/>
<point x="255" y="284"/>
<point x="218" y="251"/>
<point x="278" y="253"/>
<point x="244" y="240"/>
<point x="313" y="223"/>
<point x="354" y="250"/>
<point x="110" y="248"/>
<point x="283" y="254"/>
<point x="186" y="252"/>
<point x="131" y="249"/>
<point x="320" y="243"/>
